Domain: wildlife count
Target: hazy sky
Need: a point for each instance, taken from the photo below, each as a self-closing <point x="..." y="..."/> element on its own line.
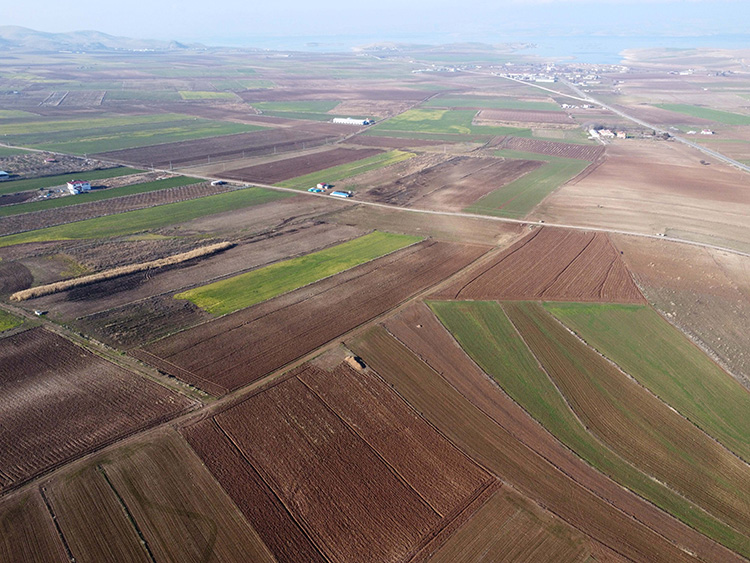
<point x="239" y="21"/>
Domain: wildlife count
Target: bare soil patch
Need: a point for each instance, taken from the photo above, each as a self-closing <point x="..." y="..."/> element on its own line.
<point x="551" y="148"/>
<point x="35" y="165"/>
<point x="391" y="142"/>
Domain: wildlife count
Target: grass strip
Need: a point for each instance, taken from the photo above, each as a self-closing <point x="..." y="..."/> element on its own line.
<point x="97" y="195"/>
<point x="484" y="331"/>
<point x="245" y="290"/>
<point x="662" y="359"/>
<point x="132" y="222"/>
<point x="15" y="186"/>
<point x="8" y="321"/>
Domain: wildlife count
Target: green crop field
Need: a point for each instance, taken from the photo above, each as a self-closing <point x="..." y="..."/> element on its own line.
<point x="662" y="359"/>
<point x="202" y="95"/>
<point x="348" y="170"/>
<point x="15" y="186"/>
<point x="96" y="195"/>
<point x="314" y="106"/>
<point x="719" y="116"/>
<point x="517" y="199"/>
<point x="7" y="151"/>
<point x="8" y="321"/>
<point x="484" y="331"/>
<point x="489" y="103"/>
<point x="245" y="290"/>
<point x="133" y="222"/>
<point x="102" y="134"/>
<point x="445" y="121"/>
<point x="447" y="137"/>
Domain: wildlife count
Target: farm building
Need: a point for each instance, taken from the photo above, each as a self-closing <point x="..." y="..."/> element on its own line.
<point x="324" y="185"/>
<point x="341" y="194"/>
<point x="78" y="186"/>
<point x="352" y="121"/>
<point x="4" y="174"/>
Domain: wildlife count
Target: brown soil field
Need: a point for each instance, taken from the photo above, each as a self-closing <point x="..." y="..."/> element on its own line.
<point x="226" y="147"/>
<point x="704" y="292"/>
<point x="372" y="108"/>
<point x="552" y="148"/>
<point x="673" y="193"/>
<point x="182" y="511"/>
<point x="523" y="116"/>
<point x="239" y="348"/>
<point x="392" y="142"/>
<point x="14" y="277"/>
<point x="247" y="255"/>
<point x="17" y="198"/>
<point x="659" y="116"/>
<point x="448" y="185"/>
<point x="27" y="532"/>
<point x="636" y="424"/>
<point x="361" y="474"/>
<point x="33" y="165"/>
<point x="551" y="265"/>
<point x="280" y="170"/>
<point x="80" y="505"/>
<point x="86" y="98"/>
<point x="57" y="216"/>
<point x="252" y="494"/>
<point x="418" y="329"/>
<point x="62" y="401"/>
<point x="738" y="150"/>
<point x="498" y="450"/>
<point x="510" y="528"/>
<point x="222" y="111"/>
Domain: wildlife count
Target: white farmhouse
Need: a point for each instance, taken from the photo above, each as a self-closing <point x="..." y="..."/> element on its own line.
<point x="78" y="186"/>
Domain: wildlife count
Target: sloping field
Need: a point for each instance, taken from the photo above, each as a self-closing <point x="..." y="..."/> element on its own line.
<point x="509" y="528"/>
<point x="235" y="293"/>
<point x="239" y="348"/>
<point x="517" y="199"/>
<point x="149" y="218"/>
<point x="493" y="446"/>
<point x="27" y="532"/>
<point x="484" y="331"/>
<point x="280" y="170"/>
<point x="563" y="150"/>
<point x="424" y="335"/>
<point x="81" y="210"/>
<point x="635" y="423"/>
<point x="523" y="116"/>
<point x="362" y="475"/>
<point x="62" y="401"/>
<point x="551" y="264"/>
<point x="655" y="353"/>
<point x="226" y="147"/>
<point x="450" y="185"/>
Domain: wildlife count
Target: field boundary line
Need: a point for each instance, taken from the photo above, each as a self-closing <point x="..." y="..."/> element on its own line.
<point x="577" y="457"/>
<point x="644" y="387"/>
<point x="51" y="512"/>
<point x="128" y="513"/>
<point x="298" y="520"/>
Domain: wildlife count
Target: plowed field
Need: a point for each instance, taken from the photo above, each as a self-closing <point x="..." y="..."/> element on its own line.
<point x="499" y="451"/>
<point x="239" y="348"/>
<point x="72" y="213"/>
<point x="564" y="150"/>
<point x="360" y="473"/>
<point x="552" y="264"/>
<point x="61" y="401"/>
<point x="280" y="170"/>
<point x="221" y="148"/>
<point x="27" y="532"/>
<point x="450" y="185"/>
